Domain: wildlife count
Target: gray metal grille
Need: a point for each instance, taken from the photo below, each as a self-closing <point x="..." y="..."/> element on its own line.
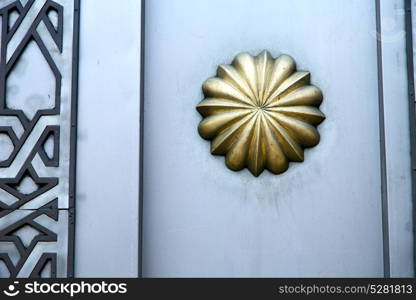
<point x="38" y="130"/>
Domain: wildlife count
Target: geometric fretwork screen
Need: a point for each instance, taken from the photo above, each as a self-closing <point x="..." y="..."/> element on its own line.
<point x="38" y="94"/>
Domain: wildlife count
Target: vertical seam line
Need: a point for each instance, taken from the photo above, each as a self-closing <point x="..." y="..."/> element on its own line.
<point x="412" y="117"/>
<point x="141" y="135"/>
<point x="382" y="134"/>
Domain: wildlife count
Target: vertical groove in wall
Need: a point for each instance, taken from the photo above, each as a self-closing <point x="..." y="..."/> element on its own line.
<point x="142" y="41"/>
<point x="383" y="170"/>
<point x="73" y="142"/>
<point x="412" y="117"/>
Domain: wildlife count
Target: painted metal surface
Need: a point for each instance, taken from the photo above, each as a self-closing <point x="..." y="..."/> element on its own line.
<point x="319" y="218"/>
<point x="107" y="228"/>
<point x="38" y="90"/>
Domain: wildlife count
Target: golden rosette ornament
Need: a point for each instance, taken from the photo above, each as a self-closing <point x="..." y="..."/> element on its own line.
<point x="260" y="113"/>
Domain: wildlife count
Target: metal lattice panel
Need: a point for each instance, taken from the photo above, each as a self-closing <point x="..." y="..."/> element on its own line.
<point x="38" y="72"/>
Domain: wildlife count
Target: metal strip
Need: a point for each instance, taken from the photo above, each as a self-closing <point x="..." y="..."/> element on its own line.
<point x="382" y="133"/>
<point x="412" y="113"/>
<point x="73" y="142"/>
<point x="142" y="41"/>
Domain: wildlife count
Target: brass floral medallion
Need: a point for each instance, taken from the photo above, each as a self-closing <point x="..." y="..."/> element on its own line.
<point x="260" y="112"/>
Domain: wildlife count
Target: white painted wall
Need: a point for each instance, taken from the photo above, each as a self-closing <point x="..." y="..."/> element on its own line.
<point x="108" y="139"/>
<point x="321" y="217"/>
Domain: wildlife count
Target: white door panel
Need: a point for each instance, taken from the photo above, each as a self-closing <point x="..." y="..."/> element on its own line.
<point x="320" y="218"/>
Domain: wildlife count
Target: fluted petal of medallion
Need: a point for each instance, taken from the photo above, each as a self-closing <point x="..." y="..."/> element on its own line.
<point x="260" y="112"/>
